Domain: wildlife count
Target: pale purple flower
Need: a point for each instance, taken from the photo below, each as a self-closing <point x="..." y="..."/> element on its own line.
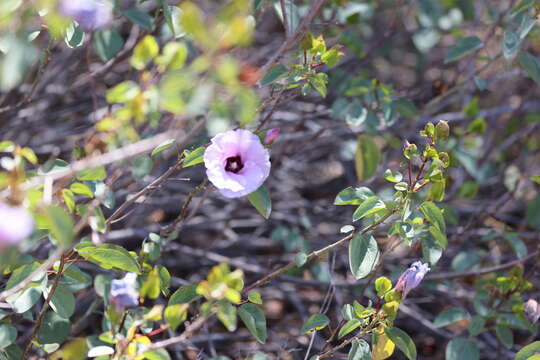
<point x="236" y="163"/>
<point x="271" y="135"/>
<point x="411" y="277"/>
<point x="124" y="293"/>
<point x="532" y="310"/>
<point x="89" y="14"/>
<point x="16" y="223"/>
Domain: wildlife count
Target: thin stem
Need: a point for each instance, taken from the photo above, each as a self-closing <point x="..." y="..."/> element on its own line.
<point x="45" y="307"/>
<point x="317" y="253"/>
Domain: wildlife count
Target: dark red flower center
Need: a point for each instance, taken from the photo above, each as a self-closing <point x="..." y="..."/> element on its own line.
<point x="234" y="164"/>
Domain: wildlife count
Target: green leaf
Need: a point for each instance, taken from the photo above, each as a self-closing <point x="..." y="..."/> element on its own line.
<point x="476" y="325"/>
<point x="528" y="351"/>
<point x="226" y="313"/>
<point x="107" y="43"/>
<point x="348" y="327"/>
<point x="253" y="317"/>
<point x="359" y="350"/>
<point x="110" y="256"/>
<point x="55" y="329"/>
<point x="8" y="334"/>
<point x="393" y="176"/>
<point x="255" y="298"/>
<point x="146" y="50"/>
<point x="62" y="301"/>
<point x="176" y="314"/>
<point x="81" y="189"/>
<point x="524" y="4"/>
<point x="517" y="244"/>
<point x="382" y="286"/>
<point x="300" y="259"/>
<point x="450" y="316"/>
<point x="315" y="322"/>
<point x="139" y="17"/>
<point x="530" y="64"/>
<point x="260" y="199"/>
<point x="194" y="157"/>
<point x="94" y="174"/>
<point x="273" y="74"/>
<point x="141" y="167"/>
<point x="69" y="199"/>
<point x="438" y="235"/>
<point x="23" y="301"/>
<point x="403" y="341"/>
<point x="122" y="92"/>
<point x="505" y="336"/>
<point x="463" y="48"/>
<point x="405" y="107"/>
<point x="369" y="207"/>
<point x="536" y="179"/>
<point x="184" y="295"/>
<point x="532" y="213"/>
<point x="363" y="255"/>
<point x="163" y="146"/>
<point x="434" y="215"/>
<point x="353" y="196"/>
<point x="367" y="157"/>
<point x="60" y="224"/>
<point x="74" y="36"/>
<point x="462" y="349"/>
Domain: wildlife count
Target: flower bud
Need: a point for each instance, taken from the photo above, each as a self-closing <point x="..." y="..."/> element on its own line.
<point x="271" y="136"/>
<point x="442" y="130"/>
<point x="123" y="292"/>
<point x="411" y="277"/>
<point x="532" y="310"/>
<point x="16" y="223"/>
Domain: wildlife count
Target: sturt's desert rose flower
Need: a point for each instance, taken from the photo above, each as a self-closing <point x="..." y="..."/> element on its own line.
<point x="123" y="292"/>
<point x="90" y="14"/>
<point x="236" y="163"/>
<point x="411" y="277"/>
<point x="532" y="310"/>
<point x="271" y="135"/>
<point x="16" y="223"/>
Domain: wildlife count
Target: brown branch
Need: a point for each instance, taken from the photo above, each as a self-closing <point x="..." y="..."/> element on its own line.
<point x="45" y="307"/>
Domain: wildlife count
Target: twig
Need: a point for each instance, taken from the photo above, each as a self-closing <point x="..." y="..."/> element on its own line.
<point x="45" y="307"/>
<point x="124" y="153"/>
<point x="285" y="19"/>
<point x="316" y="253"/>
<point x="454" y="275"/>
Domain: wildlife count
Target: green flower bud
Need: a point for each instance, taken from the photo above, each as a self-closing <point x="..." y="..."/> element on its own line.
<point x="442" y="130"/>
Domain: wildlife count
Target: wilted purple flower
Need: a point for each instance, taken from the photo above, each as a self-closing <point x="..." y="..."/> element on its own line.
<point x="123" y="292"/>
<point x="271" y="135"/>
<point x="16" y="223"/>
<point x="532" y="310"/>
<point x="411" y="277"/>
<point x="89" y="14"/>
<point x="236" y="163"/>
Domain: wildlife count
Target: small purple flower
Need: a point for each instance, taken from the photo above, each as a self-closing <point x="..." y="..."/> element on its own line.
<point x="236" y="163"/>
<point x="271" y="136"/>
<point x="532" y="310"/>
<point x="89" y="14"/>
<point x="123" y="292"/>
<point x="16" y="223"/>
<point x="411" y="277"/>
